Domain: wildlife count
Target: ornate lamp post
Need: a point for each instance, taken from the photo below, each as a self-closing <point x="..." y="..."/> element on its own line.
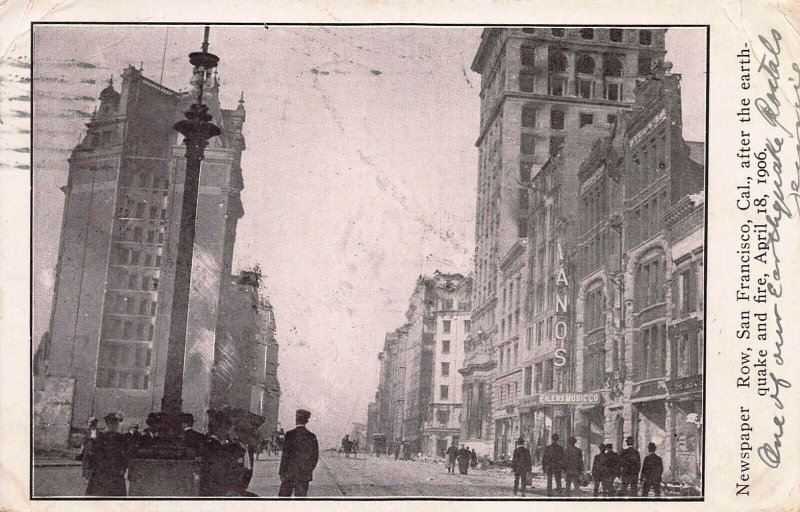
<point x="165" y="465"/>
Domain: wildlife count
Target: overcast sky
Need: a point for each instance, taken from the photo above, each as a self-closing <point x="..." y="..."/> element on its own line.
<point x="359" y="173"/>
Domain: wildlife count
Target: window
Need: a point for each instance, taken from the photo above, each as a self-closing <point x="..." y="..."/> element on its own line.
<point x="446" y="326"/>
<point x="538" y="378"/>
<point x="611" y="118"/>
<point x="529" y="337"/>
<point x="445" y="369"/>
<point x="527" y="380"/>
<point x="613" y="92"/>
<point x="612" y="66"/>
<point x="586" y="119"/>
<point x="645" y="37"/>
<point x="587" y="33"/>
<point x="444" y="392"/>
<point x="555" y="145"/>
<point x="557" y="62"/>
<point x="558" y="86"/>
<point x="557" y="32"/>
<point x="527" y="80"/>
<point x="615" y="34"/>
<point x="447" y="305"/>
<point x="527" y="55"/>
<point x="445" y="346"/>
<point x="585" y="65"/>
<point x="502" y="357"/>
<point x="467" y="325"/>
<point x="586" y="89"/>
<point x="645" y="64"/>
<point x="528" y="144"/>
<point x="557" y="119"/>
<point x="525" y="171"/>
<point x="548" y="375"/>
<point x="529" y="116"/>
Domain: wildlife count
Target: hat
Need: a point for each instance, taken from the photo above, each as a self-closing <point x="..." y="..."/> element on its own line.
<point x="554" y="437"/>
<point x="521" y="441"/>
<point x="92" y="421"/>
<point x="572" y="440"/>
<point x="113" y="416"/>
<point x="302" y="415"/>
<point x="629" y="440"/>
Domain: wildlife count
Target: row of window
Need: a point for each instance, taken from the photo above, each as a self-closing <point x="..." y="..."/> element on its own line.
<point x="594" y="315"/>
<point x="115" y="328"/>
<point x="142" y="305"/>
<point x="509" y="356"/>
<point x="648" y="163"/>
<point x="647" y="219"/>
<point x="587" y="33"/>
<point x="144" y="180"/>
<point x="112" y="354"/>
<point x="140" y="210"/>
<point x="122" y="379"/>
<point x="131" y="256"/>
<point x="127" y="232"/>
<point x="130" y="280"/>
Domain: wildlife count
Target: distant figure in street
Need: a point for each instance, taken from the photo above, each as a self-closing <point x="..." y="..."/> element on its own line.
<point x="553" y="464"/>
<point x="652" y="468"/>
<point x="347" y="445"/>
<point x="464" y="456"/>
<point x="573" y="465"/>
<point x="397" y="446"/>
<point x="599" y="470"/>
<point x="89" y="441"/>
<point x="522" y="465"/>
<point x="299" y="457"/>
<point x="451" y="454"/>
<point x="612" y="470"/>
<point x="108" y="461"/>
<point x="473" y="459"/>
<point x="630" y="464"/>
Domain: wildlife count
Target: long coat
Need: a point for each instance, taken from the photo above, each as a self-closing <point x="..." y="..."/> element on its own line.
<point x="630" y="463"/>
<point x="107" y="461"/>
<point x="300" y="455"/>
<point x="553" y="458"/>
<point x="521" y="463"/>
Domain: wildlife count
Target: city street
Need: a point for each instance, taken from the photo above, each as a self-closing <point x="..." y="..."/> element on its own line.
<point x="339" y="476"/>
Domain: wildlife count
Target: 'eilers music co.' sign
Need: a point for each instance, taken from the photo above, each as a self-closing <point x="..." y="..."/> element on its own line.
<point x="570" y="398"/>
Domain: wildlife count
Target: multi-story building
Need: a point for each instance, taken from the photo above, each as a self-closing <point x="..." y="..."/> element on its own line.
<point x="451" y="317"/>
<point x="538" y="85"/>
<point x="244" y="374"/>
<point x="639" y="320"/>
<point x="115" y="272"/>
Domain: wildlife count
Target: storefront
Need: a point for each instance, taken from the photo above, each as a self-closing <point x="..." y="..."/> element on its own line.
<point x="506" y="433"/>
<point x="685" y="411"/>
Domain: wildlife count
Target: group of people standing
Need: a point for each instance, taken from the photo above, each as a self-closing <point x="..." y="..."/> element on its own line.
<point x="627" y="465"/>
<point x="349" y="446"/>
<point x="463" y="457"/>
<point x="608" y="465"/>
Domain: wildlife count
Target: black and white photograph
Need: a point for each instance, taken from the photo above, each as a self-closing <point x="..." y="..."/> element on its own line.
<point x="368" y="261"/>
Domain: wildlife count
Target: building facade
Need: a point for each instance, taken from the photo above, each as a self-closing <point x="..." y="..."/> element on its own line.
<point x="538" y="85"/>
<point x="115" y="269"/>
<point x="451" y="316"/>
<point x="244" y="374"/>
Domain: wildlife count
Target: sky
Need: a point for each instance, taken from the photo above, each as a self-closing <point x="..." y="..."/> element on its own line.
<point x="359" y="173"/>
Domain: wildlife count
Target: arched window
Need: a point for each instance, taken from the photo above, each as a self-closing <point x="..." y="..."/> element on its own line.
<point x="612" y="66"/>
<point x="557" y="62"/>
<point x="585" y="64"/>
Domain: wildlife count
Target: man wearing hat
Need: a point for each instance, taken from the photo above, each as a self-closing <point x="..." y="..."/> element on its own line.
<point x="573" y="465"/>
<point x="630" y="466"/>
<point x="521" y="464"/>
<point x="299" y="457"/>
<point x="553" y="464"/>
<point x="109" y="460"/>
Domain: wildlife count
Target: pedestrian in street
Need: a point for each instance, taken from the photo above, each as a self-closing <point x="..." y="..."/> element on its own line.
<point x="553" y="464"/>
<point x="613" y="464"/>
<point x="522" y="465"/>
<point x="464" y="455"/>
<point x="108" y="460"/>
<point x="346" y="445"/>
<point x="397" y="446"/>
<point x="452" y="453"/>
<point x="652" y="469"/>
<point x="630" y="465"/>
<point x="473" y="459"/>
<point x="89" y="440"/>
<point x="299" y="458"/>
<point x="599" y="470"/>
<point x="573" y="465"/>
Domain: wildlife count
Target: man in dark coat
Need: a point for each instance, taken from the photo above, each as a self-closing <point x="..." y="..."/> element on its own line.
<point x="108" y="461"/>
<point x="630" y="464"/>
<point x="612" y="471"/>
<point x="652" y="468"/>
<point x="553" y="464"/>
<point x="473" y="459"/>
<point x="573" y="465"/>
<point x="599" y="469"/>
<point x="452" y="453"/>
<point x="299" y="458"/>
<point x="464" y="456"/>
<point x="522" y="465"/>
